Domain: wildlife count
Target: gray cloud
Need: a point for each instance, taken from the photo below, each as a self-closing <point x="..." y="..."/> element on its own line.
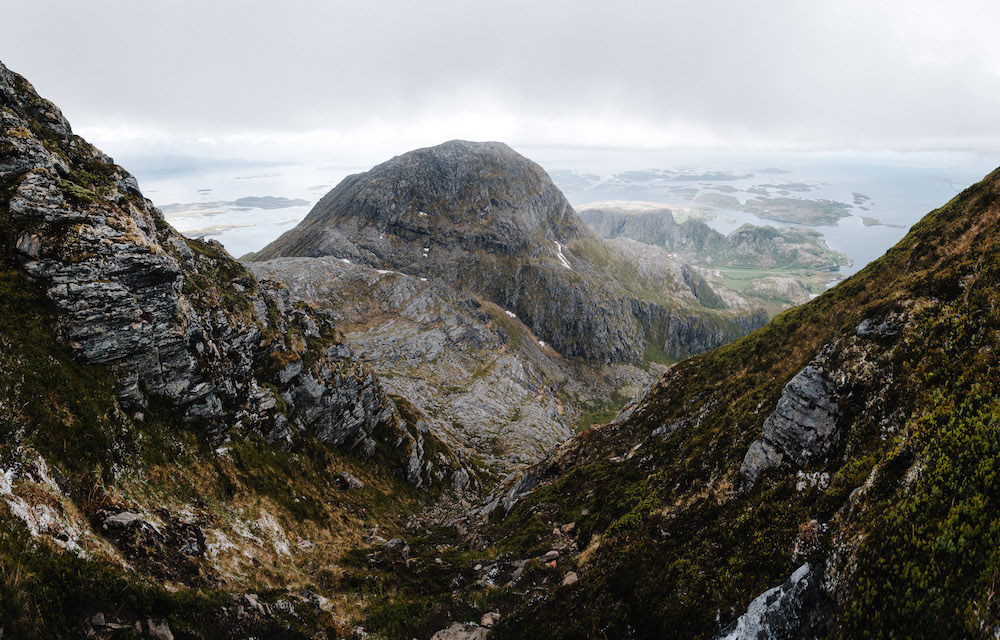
<point x="784" y="73"/>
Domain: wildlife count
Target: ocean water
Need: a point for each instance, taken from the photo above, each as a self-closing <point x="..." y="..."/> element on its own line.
<point x="900" y="188"/>
<point x="198" y="195"/>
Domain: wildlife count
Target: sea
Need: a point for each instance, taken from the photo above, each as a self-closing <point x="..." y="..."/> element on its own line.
<point x="247" y="203"/>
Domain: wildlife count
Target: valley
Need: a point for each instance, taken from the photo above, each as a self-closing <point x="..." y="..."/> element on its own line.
<point x="452" y="401"/>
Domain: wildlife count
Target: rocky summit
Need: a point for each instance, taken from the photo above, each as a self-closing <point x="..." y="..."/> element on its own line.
<point x="461" y="195"/>
<point x="482" y="217"/>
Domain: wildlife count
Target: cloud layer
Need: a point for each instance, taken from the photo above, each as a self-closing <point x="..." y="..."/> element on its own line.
<point x="749" y="74"/>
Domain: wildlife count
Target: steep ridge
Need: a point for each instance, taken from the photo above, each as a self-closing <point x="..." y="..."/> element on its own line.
<point x="169" y="424"/>
<point x="178" y="321"/>
<point x="481" y="216"/>
<point x="840" y="463"/>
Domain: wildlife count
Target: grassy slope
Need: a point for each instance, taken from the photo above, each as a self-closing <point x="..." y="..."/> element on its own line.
<point x="105" y="459"/>
<point x="681" y="553"/>
<point x="68" y="413"/>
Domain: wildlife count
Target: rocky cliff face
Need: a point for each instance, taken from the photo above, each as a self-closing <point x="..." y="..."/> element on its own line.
<point x="480" y="216"/>
<point x="748" y="246"/>
<point x="476" y="371"/>
<point x="178" y="321"/>
<point x="802" y="429"/>
<point x="649" y="226"/>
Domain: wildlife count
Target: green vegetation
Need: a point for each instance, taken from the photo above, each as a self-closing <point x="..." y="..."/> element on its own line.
<point x="600" y="413"/>
<point x="934" y="548"/>
<point x="739" y="279"/>
<point x="677" y="544"/>
<point x="106" y="460"/>
<point x="77" y="194"/>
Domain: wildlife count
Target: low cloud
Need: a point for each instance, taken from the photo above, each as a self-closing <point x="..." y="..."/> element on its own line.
<point x="389" y="75"/>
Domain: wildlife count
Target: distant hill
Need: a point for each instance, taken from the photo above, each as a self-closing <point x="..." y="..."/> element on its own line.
<point x="747" y="247"/>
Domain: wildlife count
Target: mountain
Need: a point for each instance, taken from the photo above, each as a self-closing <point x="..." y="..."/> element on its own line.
<point x="833" y="474"/>
<point x="191" y="449"/>
<point x="486" y="219"/>
<point x="168" y="422"/>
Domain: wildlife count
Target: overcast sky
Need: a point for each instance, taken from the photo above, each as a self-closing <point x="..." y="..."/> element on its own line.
<point x="250" y="77"/>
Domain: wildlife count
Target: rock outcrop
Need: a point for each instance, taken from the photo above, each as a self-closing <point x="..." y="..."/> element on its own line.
<point x="795" y="609"/>
<point x="481" y="216"/>
<point x="802" y="429"/>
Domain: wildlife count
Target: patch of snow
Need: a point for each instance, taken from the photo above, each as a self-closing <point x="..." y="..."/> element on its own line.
<point x="510" y="313"/>
<point x="562" y="258"/>
<point x="423" y="279"/>
<point x="345" y="261"/>
<point x="422" y="214"/>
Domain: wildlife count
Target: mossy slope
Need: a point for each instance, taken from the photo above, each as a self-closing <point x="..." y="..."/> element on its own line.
<point x="224" y="512"/>
<point x="907" y="508"/>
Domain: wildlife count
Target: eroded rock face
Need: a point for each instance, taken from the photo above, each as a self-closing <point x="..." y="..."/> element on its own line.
<point x="802" y="429"/>
<point x="179" y="321"/>
<point x="462" y="631"/>
<point x="746" y="247"/>
<point x="480" y="378"/>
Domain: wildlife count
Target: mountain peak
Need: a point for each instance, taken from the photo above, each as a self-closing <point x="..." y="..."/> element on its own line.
<point x="483" y="195"/>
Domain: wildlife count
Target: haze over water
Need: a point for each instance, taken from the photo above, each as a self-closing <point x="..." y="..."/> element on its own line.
<point x="901" y="188"/>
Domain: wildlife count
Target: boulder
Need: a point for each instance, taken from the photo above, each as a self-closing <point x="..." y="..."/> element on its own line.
<point x="801" y="430"/>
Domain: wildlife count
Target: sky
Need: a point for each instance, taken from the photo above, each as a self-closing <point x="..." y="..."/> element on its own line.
<point x="244" y="78"/>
